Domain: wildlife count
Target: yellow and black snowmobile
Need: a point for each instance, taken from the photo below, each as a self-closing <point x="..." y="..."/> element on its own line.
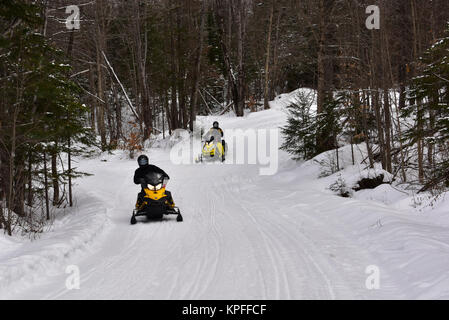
<point x="214" y="148"/>
<point x="155" y="202"/>
<point x="213" y="151"/>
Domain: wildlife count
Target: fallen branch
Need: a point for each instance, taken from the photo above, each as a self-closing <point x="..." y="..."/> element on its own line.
<point x="227" y="108"/>
<point x="205" y="102"/>
<point x="121" y="85"/>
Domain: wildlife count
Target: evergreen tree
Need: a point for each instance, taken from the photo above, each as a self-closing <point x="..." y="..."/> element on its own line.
<point x="40" y="110"/>
<point x="429" y="108"/>
<point x="300" y="130"/>
<point x="304" y="126"/>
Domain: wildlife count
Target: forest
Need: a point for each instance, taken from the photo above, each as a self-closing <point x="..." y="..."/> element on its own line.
<point x="83" y="75"/>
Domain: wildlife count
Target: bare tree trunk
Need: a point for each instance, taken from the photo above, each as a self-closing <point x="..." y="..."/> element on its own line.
<point x="167" y="112"/>
<point x="100" y="104"/>
<point x="93" y="100"/>
<point x="11" y="193"/>
<point x="47" y="199"/>
<point x="234" y="82"/>
<point x="228" y="44"/>
<point x="182" y="72"/>
<point x="174" y="71"/>
<point x="240" y="103"/>
<point x="69" y="140"/>
<point x="54" y="176"/>
<point x="100" y="47"/>
<point x="141" y="57"/>
<point x="275" y="73"/>
<point x="398" y="121"/>
<point x="196" y="74"/>
<point x="321" y="90"/>
<point x="420" y="143"/>
<point x="387" y="76"/>
<point x="30" y="180"/>
<point x="387" y="115"/>
<point x="366" y="132"/>
<point x="118" y="114"/>
<point x="418" y="103"/>
<point x="267" y="62"/>
<point x="380" y="129"/>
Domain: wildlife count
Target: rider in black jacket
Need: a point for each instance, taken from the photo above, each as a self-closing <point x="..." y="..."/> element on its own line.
<point x="216" y="134"/>
<point x="145" y="168"/>
<point x="139" y="177"/>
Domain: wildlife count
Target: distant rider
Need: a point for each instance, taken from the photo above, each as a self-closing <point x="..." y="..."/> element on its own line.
<point x="215" y="132"/>
<point x="216" y="135"/>
<point x="139" y="178"/>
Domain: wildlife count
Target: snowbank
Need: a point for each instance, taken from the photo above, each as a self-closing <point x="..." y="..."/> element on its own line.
<point x="73" y="235"/>
<point x="405" y="233"/>
<point x="385" y="194"/>
<point x="159" y="142"/>
<point x="284" y="100"/>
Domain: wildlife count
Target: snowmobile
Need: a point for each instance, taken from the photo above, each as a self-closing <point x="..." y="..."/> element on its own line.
<point x="213" y="151"/>
<point x="157" y="201"/>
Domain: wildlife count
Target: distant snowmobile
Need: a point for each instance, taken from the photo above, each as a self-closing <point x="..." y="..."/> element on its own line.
<point x="214" y="148"/>
<point x="212" y="151"/>
<point x="157" y="201"/>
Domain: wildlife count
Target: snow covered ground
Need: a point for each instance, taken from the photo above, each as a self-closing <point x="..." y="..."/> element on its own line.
<point x="245" y="236"/>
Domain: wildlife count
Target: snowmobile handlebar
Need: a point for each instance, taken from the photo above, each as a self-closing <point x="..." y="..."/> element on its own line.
<point x="212" y="139"/>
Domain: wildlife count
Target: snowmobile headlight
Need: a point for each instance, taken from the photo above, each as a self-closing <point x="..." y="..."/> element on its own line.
<point x="155" y="188"/>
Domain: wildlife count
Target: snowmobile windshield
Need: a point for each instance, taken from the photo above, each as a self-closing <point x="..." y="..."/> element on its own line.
<point x="213" y="136"/>
<point x="155" y="181"/>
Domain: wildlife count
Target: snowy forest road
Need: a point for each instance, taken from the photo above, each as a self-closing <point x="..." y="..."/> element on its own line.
<point x="244" y="237"/>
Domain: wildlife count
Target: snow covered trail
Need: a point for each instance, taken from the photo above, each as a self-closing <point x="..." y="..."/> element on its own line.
<point x="245" y="236"/>
<point x="240" y="240"/>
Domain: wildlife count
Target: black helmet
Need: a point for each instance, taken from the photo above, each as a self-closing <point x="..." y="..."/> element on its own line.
<point x="143" y="161"/>
<point x="216" y="125"/>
